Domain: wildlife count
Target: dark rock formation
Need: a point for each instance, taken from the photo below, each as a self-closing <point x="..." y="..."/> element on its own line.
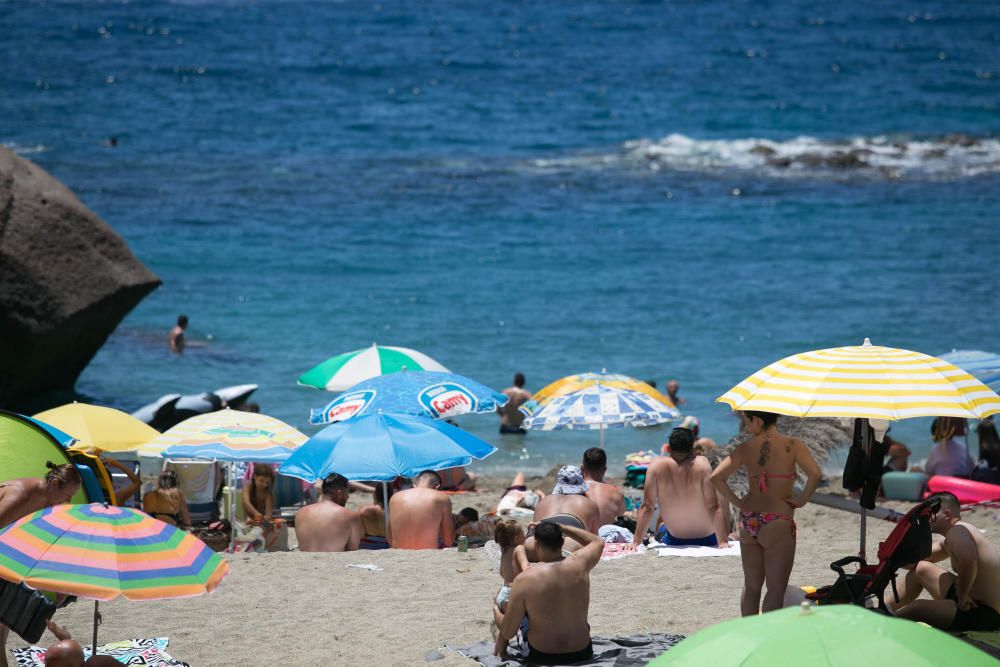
<point x="66" y="280"/>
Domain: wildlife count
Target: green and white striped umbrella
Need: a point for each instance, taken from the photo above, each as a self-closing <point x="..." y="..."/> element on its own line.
<point x="342" y="372"/>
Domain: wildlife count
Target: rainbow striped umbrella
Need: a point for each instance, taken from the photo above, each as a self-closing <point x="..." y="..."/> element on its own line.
<point x="101" y="552"/>
<point x="864" y="381"/>
<point x="229" y="435"/>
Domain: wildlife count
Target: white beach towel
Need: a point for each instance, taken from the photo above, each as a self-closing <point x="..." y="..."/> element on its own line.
<point x="698" y="552"/>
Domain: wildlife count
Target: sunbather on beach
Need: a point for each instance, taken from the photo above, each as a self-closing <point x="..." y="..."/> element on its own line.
<point x="689" y="505"/>
<point x="517" y="495"/>
<point x="510" y="536"/>
<point x="328" y="525"/>
<point x="420" y="518"/>
<point x="568" y="504"/>
<point x="457" y="479"/>
<point x="555" y="596"/>
<point x="373" y="518"/>
<point x="20" y="497"/>
<point x="64" y="653"/>
<point x="166" y="502"/>
<point x="969" y="598"/>
<point x="258" y="501"/>
<point x="609" y="498"/>
<point x="767" y="534"/>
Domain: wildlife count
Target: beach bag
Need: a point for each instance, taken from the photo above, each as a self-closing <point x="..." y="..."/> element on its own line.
<point x="857" y="463"/>
<point x="25" y="610"/>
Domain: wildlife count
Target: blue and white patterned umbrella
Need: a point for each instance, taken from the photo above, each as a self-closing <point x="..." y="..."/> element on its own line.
<point x="424" y="393"/>
<point x="985" y="366"/>
<point x="600" y="407"/>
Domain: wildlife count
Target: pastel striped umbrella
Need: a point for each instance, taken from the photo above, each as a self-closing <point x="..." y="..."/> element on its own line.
<point x="229" y="435"/>
<point x="101" y="552"/>
<point x="342" y="372"/>
<point x="984" y="365"/>
<point x="864" y="381"/>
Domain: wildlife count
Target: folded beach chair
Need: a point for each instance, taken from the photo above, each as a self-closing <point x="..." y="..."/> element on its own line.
<point x="908" y="543"/>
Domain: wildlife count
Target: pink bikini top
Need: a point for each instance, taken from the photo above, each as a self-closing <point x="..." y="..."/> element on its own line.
<point x="762" y="478"/>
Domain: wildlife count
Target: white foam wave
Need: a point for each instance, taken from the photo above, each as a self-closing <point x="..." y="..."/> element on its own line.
<point x="951" y="156"/>
<point x="25" y="150"/>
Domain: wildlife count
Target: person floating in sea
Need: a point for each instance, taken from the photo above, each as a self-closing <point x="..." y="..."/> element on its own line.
<point x="510" y="417"/>
<point x="328" y="525"/>
<point x="963" y="601"/>
<point x="420" y="518"/>
<point x="767" y="535"/>
<point x="175" y="340"/>
<point x="555" y="597"/>
<point x="689" y="505"/>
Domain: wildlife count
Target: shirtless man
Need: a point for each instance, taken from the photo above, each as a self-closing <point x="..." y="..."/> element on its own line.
<point x="64" y="653"/>
<point x="673" y="386"/>
<point x="510" y="417"/>
<point x="967" y="600"/>
<point x="420" y="518"/>
<point x="555" y="596"/>
<point x="567" y="505"/>
<point x="328" y="525"/>
<point x="689" y="505"/>
<point x="20" y="497"/>
<point x="176" y="338"/>
<point x="609" y="498"/>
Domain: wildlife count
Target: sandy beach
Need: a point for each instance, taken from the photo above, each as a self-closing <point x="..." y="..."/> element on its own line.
<point x="315" y="609"/>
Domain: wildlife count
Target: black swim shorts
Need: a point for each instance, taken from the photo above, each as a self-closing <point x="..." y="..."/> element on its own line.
<point x="981" y="618"/>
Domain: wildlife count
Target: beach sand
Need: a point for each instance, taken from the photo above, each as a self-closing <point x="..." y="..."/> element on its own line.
<point x="313" y="609"/>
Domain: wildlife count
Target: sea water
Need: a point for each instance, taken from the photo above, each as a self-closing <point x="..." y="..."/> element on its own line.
<point x="686" y="190"/>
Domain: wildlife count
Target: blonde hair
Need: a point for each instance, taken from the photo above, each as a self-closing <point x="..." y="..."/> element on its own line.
<point x="506" y="531"/>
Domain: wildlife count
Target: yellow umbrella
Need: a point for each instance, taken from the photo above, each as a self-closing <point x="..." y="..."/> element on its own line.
<point x="864" y="381"/>
<point x="572" y="383"/>
<point x="99" y="427"/>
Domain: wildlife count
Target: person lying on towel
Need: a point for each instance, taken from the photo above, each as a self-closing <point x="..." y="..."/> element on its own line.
<point x="969" y="598"/>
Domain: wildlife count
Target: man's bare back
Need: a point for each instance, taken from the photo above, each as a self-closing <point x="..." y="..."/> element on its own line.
<point x="579" y="506"/>
<point x="986" y="587"/>
<point x="688" y="502"/>
<point x="609" y="499"/>
<point x="420" y="518"/>
<point x="509" y="414"/>
<point x="326" y="526"/>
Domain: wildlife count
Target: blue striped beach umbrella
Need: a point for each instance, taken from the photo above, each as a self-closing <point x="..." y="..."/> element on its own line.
<point x="985" y="366"/>
<point x="599" y="407"/>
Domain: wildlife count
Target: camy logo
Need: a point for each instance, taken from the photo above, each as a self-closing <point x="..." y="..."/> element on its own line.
<point x="448" y="400"/>
<point x="348" y="405"/>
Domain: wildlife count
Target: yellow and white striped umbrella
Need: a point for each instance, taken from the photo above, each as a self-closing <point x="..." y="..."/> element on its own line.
<point x="864" y="381"/>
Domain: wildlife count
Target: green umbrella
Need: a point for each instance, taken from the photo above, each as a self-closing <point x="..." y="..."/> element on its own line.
<point x="831" y="636"/>
<point x="346" y="370"/>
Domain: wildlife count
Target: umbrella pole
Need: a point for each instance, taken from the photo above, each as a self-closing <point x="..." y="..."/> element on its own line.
<point x="232" y="507"/>
<point x="385" y="502"/>
<point x="97" y="621"/>
<point x="602" y="436"/>
<point x="867" y="446"/>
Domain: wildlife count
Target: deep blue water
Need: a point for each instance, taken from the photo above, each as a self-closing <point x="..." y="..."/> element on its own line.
<point x="515" y="186"/>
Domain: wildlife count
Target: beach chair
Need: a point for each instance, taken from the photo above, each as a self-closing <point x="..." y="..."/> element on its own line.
<point x="908" y="543"/>
<point x="200" y="482"/>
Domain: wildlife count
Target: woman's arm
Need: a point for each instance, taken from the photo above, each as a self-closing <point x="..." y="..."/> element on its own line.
<point x="124" y="493"/>
<point x="804" y="459"/>
<point x="721" y="474"/>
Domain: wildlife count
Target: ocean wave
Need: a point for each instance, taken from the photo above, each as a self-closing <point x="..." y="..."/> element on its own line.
<point x="25" y="150"/>
<point x="948" y="156"/>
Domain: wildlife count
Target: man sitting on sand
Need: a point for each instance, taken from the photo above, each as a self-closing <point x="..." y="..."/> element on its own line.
<point x="609" y="498"/>
<point x="568" y="503"/>
<point x="328" y="525"/>
<point x="967" y="600"/>
<point x="555" y="597"/>
<point x="420" y="518"/>
<point x="689" y="505"/>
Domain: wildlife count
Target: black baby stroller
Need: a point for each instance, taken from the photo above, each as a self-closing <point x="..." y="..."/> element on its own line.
<point x="908" y="543"/>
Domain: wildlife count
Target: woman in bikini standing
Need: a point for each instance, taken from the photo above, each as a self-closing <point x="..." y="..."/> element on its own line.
<point x="767" y="524"/>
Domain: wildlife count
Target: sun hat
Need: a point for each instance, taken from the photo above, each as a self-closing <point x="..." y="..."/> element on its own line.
<point x="569" y="481"/>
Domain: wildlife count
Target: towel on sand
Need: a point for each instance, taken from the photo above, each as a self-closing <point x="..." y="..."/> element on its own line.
<point x="613" y="652"/>
<point x="129" y="652"/>
<point x="699" y="552"/>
